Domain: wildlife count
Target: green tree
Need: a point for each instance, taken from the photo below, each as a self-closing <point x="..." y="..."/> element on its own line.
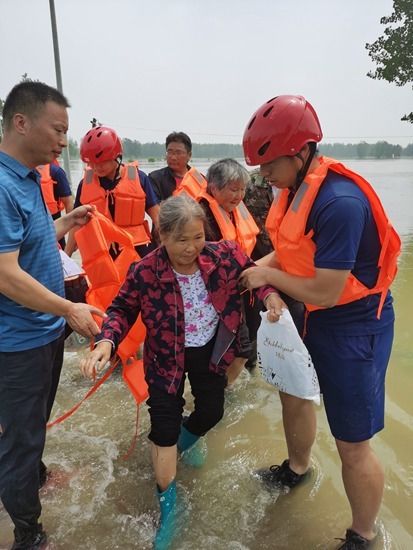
<point x="393" y="51"/>
<point x="408" y="150"/>
<point x="362" y="150"/>
<point x="73" y="149"/>
<point x="384" y="150"/>
<point x="131" y="149"/>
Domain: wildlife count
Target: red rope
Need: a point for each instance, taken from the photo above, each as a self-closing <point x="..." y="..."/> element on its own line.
<point x="92" y="390"/>
<point x="135" y="437"/>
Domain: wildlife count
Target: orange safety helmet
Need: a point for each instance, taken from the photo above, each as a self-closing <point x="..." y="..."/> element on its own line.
<point x="100" y="144"/>
<point x="280" y="127"/>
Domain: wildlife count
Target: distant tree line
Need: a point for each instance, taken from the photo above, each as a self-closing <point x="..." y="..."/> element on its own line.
<point x="133" y="149"/>
<point x="363" y="150"/>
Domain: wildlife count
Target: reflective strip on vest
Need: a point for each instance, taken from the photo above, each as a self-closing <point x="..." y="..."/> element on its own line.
<point x="198" y="177"/>
<point x="299" y="196"/>
<point x="243" y="210"/>
<point x="88" y="176"/>
<point x="132" y="172"/>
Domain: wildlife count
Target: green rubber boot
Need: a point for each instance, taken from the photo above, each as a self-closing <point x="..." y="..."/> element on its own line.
<point x="191" y="449"/>
<point x="168" y="522"/>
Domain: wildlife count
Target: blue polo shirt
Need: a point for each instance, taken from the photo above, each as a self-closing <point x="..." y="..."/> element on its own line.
<point x="26" y="226"/>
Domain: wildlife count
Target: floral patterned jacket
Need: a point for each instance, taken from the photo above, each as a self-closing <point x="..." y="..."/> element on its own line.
<point x="150" y="288"/>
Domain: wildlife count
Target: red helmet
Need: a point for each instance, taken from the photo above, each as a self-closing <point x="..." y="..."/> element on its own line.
<point x="280" y="127"/>
<point x="100" y="144"/>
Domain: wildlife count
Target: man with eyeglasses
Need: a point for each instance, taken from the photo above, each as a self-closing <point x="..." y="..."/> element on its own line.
<point x="178" y="147"/>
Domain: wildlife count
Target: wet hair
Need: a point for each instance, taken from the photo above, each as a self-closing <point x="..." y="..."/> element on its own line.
<point x="176" y="211"/>
<point x="29" y="98"/>
<point x="224" y="172"/>
<point x="179" y="137"/>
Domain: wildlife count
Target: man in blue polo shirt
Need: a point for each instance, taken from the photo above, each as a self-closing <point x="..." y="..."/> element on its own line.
<point x="33" y="309"/>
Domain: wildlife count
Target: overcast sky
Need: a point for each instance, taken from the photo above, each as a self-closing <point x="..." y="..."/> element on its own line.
<point x="147" y="67"/>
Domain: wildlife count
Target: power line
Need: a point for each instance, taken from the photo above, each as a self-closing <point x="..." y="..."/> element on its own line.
<point x="367" y="137"/>
<point x="217" y="134"/>
<point x="163" y="130"/>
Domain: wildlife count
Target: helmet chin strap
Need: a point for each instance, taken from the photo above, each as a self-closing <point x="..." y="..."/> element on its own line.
<point x="119" y="162"/>
<point x="306" y="164"/>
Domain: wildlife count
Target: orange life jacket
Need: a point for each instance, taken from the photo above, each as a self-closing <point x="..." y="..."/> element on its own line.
<point x="129" y="199"/>
<point x="106" y="276"/>
<point x="47" y="186"/>
<point x="244" y="231"/>
<point x="193" y="184"/>
<point x="295" y="249"/>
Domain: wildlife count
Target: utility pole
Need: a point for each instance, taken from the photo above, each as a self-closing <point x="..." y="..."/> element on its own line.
<point x="1" y="119"/>
<point x="65" y="153"/>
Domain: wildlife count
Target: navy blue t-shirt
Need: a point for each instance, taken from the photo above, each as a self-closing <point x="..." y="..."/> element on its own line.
<point x="62" y="187"/>
<point x="346" y="237"/>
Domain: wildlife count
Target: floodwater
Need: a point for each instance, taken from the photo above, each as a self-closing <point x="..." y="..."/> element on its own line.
<point x="102" y="500"/>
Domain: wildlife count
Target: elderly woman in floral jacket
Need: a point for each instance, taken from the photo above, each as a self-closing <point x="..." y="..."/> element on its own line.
<point x="188" y="294"/>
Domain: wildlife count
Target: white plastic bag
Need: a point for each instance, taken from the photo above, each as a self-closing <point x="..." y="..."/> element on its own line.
<point x="284" y="360"/>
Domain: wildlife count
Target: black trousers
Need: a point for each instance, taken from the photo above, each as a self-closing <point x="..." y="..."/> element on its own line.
<point x="28" y="384"/>
<point x="208" y="390"/>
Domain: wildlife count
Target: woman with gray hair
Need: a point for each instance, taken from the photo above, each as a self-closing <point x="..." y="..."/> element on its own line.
<point x="228" y="218"/>
<point x="226" y="213"/>
<point x="188" y="295"/>
<point x="226" y="171"/>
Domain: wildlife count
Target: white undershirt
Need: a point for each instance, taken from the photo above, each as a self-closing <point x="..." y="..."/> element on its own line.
<point x="201" y="318"/>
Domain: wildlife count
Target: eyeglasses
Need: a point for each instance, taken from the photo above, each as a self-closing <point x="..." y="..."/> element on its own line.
<point x="175" y="153"/>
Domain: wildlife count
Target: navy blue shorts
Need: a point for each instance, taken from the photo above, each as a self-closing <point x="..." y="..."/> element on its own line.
<point x="351" y="371"/>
